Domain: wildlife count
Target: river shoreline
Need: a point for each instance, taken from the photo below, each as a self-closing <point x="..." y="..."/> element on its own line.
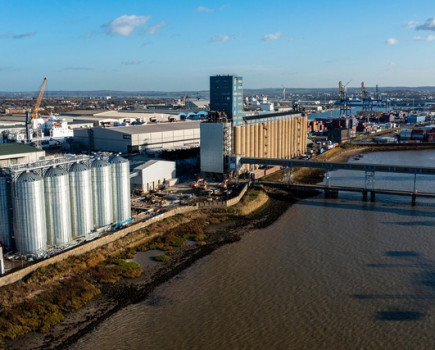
<point x="126" y="292"/>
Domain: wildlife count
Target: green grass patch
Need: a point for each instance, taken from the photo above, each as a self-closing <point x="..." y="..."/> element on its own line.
<point x="161" y="258"/>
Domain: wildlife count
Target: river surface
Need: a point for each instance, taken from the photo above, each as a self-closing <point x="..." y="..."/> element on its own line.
<point x="335" y="113"/>
<point x="328" y="274"/>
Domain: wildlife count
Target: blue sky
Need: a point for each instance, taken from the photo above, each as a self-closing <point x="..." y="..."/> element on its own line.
<point x="176" y="45"/>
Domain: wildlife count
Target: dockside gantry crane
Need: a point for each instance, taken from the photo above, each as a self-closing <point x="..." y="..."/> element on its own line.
<point x="344" y="99"/>
<point x="29" y="118"/>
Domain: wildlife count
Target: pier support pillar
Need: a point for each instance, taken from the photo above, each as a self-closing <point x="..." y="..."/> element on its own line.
<point x="364" y="196"/>
<point x="413" y="199"/>
<point x="372" y="196"/>
<point x="331" y="193"/>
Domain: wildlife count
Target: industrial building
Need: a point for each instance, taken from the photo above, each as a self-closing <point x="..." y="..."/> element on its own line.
<point x="14" y="153"/>
<point x="152" y="174"/>
<point x="140" y="138"/>
<point x="48" y="203"/>
<point x="234" y="134"/>
<point x="226" y="95"/>
<point x="105" y="118"/>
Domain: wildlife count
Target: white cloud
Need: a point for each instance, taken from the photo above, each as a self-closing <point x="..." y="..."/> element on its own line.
<point x="125" y="24"/>
<point x="17" y="36"/>
<point x="428" y="25"/>
<point x="78" y="68"/>
<point x="269" y="37"/>
<point x="204" y="9"/>
<point x="87" y="35"/>
<point x="390" y="66"/>
<point x="155" y="29"/>
<point x="391" y="41"/>
<point x="219" y="38"/>
<point x="411" y="24"/>
<point x="430" y="37"/>
<point x="131" y="63"/>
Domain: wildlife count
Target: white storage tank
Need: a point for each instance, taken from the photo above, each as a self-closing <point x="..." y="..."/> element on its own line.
<point x="121" y="188"/>
<point x="80" y="182"/>
<point x="5" y="213"/>
<point x="29" y="214"/>
<point x="57" y="206"/>
<point x="102" y="192"/>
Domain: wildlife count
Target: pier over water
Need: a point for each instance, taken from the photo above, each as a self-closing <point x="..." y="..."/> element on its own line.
<point x="368" y="187"/>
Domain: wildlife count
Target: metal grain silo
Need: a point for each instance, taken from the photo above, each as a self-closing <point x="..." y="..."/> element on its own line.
<point x="57" y="206"/>
<point x="102" y="192"/>
<point x="29" y="214"/>
<point x="80" y="182"/>
<point x="5" y="213"/>
<point x="121" y="188"/>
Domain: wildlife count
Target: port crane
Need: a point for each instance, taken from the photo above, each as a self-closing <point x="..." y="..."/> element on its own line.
<point x="34" y="114"/>
<point x="344" y="100"/>
<point x="367" y="102"/>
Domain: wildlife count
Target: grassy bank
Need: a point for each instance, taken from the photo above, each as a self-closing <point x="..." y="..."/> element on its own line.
<point x="47" y="296"/>
<point x="254" y="199"/>
<point x="339" y="154"/>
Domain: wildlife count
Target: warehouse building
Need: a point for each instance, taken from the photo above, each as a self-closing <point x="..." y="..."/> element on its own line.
<point x="15" y="153"/>
<point x="141" y="138"/>
<point x="153" y="174"/>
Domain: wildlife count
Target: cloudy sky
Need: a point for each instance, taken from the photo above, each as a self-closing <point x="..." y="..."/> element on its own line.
<point x="175" y="45"/>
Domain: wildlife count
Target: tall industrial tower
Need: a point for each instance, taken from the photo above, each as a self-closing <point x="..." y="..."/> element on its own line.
<point x="226" y="95"/>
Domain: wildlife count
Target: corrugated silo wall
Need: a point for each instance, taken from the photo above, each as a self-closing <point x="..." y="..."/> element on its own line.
<point x="285" y="138"/>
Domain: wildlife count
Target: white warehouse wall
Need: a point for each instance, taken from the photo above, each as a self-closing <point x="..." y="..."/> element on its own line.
<point x="150" y="176"/>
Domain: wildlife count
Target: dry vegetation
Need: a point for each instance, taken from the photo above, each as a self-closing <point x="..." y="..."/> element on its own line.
<point x="43" y="298"/>
<point x="254" y="200"/>
<point x="310" y="175"/>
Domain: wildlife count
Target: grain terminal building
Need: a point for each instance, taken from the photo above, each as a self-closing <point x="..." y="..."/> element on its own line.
<point x="236" y="134"/>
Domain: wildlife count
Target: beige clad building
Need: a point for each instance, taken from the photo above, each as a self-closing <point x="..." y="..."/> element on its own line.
<point x="15" y="153"/>
<point x="266" y="135"/>
<point x="278" y="135"/>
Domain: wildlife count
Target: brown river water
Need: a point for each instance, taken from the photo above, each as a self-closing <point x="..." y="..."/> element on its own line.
<point x="328" y="274"/>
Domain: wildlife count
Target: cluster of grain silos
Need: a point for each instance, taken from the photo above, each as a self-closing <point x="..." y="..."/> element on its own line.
<point x="48" y="203"/>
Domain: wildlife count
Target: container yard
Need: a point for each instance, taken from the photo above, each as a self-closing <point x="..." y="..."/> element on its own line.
<point x="47" y="204"/>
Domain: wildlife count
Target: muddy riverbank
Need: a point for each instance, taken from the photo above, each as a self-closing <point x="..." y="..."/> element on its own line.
<point x="227" y="229"/>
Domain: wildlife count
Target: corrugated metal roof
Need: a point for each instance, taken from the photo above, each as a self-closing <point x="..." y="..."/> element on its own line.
<point x="86" y="112"/>
<point x="16" y="148"/>
<point x="161" y="127"/>
<point x="148" y="163"/>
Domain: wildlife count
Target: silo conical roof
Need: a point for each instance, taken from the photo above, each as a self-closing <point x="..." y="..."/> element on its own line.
<point x="28" y="177"/>
<point x="118" y="160"/>
<point x="53" y="172"/>
<point x="99" y="163"/>
<point x="77" y="167"/>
